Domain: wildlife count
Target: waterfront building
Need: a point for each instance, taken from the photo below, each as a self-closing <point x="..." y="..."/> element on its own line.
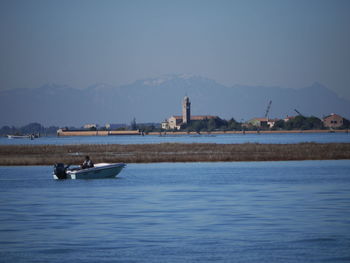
<point x="165" y="125"/>
<point x="263" y="122"/>
<point x="90" y="126"/>
<point x="334" y="121"/>
<point x="259" y="122"/>
<point x="177" y="122"/>
<point x="288" y="118"/>
<point x="271" y="122"/>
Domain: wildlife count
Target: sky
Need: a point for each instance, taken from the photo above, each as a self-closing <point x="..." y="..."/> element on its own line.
<point x="289" y="44"/>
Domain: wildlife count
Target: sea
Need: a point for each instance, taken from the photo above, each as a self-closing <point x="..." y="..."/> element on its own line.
<point x="294" y="211"/>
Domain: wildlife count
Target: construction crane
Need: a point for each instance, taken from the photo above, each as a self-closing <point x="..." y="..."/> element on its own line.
<point x="298" y="112"/>
<point x="268" y="109"/>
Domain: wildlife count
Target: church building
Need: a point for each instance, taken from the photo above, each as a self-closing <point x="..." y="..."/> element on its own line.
<point x="178" y="122"/>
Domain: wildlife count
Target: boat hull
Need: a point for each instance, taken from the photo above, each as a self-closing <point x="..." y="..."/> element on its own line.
<point x="20" y="136"/>
<point x="100" y="171"/>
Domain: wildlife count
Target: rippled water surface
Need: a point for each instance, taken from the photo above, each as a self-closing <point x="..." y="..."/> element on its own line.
<point x="182" y="212"/>
<point x="222" y="138"/>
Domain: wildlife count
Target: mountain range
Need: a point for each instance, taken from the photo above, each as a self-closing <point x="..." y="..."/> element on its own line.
<point x="155" y="99"/>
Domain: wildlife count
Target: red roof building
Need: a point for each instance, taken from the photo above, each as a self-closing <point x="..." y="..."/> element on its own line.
<point x="334" y="121"/>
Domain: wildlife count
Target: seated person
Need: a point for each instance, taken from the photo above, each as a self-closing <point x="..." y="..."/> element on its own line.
<point x="87" y="163"/>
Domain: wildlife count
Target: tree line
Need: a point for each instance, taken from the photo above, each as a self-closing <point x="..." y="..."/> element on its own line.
<point x="298" y="123"/>
<point x="31" y="128"/>
<point x="212" y="125"/>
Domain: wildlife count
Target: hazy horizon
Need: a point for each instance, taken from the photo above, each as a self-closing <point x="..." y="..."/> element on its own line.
<point x="164" y="77"/>
<point x="155" y="99"/>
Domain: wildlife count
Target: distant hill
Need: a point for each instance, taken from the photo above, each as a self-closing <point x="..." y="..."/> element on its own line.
<point x="153" y="100"/>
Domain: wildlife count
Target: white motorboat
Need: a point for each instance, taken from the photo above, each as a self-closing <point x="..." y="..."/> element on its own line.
<point x="99" y="171"/>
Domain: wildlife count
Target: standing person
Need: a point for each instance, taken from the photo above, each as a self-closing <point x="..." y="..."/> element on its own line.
<point x="87" y="163"/>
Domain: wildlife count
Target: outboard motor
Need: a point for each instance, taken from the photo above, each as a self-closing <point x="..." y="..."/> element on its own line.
<point x="60" y="171"/>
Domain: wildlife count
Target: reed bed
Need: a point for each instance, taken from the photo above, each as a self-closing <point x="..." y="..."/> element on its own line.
<point x="170" y="152"/>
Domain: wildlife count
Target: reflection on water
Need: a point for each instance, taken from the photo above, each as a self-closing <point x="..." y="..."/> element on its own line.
<point x="224" y="138"/>
<point x="179" y="212"/>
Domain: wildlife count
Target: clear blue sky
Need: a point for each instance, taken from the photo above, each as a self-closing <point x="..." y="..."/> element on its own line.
<point x="272" y="42"/>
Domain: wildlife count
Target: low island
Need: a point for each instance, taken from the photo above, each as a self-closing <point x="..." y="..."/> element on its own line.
<point x="170" y="152"/>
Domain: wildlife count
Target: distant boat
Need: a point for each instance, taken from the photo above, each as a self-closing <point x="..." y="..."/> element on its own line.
<point x="99" y="171"/>
<point x="20" y="136"/>
<point x="30" y="136"/>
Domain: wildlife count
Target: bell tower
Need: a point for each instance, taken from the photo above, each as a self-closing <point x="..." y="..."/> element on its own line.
<point x="186" y="110"/>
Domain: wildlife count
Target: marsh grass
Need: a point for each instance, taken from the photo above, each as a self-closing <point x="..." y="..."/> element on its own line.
<point x="170" y="152"/>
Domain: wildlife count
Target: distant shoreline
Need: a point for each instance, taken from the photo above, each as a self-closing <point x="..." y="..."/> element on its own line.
<point x="165" y="133"/>
<point x="250" y="132"/>
<point x="170" y="152"/>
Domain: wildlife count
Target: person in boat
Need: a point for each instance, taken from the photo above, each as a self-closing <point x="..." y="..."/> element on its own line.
<point x="87" y="163"/>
